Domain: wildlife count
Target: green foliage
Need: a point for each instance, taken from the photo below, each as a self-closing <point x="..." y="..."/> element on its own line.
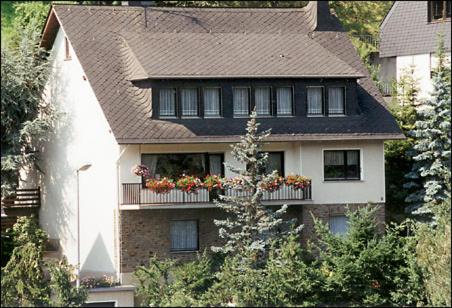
<point x="23" y="281"/>
<point x="432" y="151"/>
<point x="250" y="226"/>
<point x="365" y="267"/>
<point x="434" y="256"/>
<point x="63" y="293"/>
<point x="26" y="119"/>
<point x="7" y="247"/>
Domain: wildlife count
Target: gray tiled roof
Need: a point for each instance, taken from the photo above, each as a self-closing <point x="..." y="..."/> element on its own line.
<point x="406" y="30"/>
<point x="109" y="56"/>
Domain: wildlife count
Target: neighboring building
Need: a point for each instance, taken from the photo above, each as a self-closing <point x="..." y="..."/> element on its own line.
<point x="409" y="36"/>
<point x="172" y="88"/>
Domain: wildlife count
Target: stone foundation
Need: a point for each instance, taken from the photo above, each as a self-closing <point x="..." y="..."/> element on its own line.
<point x="147" y="232"/>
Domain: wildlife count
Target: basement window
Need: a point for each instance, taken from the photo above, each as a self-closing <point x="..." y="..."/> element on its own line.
<point x="67" y="50"/>
<point x="338" y="225"/>
<point x="184" y="235"/>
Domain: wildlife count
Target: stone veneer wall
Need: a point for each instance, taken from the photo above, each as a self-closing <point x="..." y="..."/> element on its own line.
<point x="147" y="232"/>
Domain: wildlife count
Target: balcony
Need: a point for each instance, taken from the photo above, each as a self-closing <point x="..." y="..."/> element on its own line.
<point x="134" y="196"/>
<point x="23" y="202"/>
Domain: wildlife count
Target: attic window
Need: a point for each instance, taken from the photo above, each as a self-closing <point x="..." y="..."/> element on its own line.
<point x="439" y="10"/>
<point x="67" y="52"/>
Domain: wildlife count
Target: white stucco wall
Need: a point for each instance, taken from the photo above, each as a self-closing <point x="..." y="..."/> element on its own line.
<point x="423" y="64"/>
<point x="82" y="135"/>
<point x="304" y="158"/>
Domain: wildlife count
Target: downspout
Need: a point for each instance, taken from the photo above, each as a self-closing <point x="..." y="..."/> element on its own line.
<point x="118" y="218"/>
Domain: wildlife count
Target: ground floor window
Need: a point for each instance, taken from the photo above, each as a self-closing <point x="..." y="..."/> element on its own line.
<point x="342" y="165"/>
<point x="184" y="235"/>
<point x="338" y="224"/>
<point x="100" y="304"/>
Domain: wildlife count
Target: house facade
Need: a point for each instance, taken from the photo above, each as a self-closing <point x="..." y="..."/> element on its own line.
<point x="409" y="37"/>
<point x="172" y="89"/>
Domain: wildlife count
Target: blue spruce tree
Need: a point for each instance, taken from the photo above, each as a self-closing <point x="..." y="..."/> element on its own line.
<point x="431" y="152"/>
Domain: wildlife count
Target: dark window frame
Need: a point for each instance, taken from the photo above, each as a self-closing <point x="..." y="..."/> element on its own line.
<point x="322" y="112"/>
<point x="345" y="166"/>
<point x="197" y="237"/>
<point x="250" y="107"/>
<point x="206" y="157"/>
<point x="198" y="102"/>
<point x="220" y="111"/>
<point x="327" y="110"/>
<point x="292" y="93"/>
<point x="444" y="16"/>
<point x="271" y="114"/>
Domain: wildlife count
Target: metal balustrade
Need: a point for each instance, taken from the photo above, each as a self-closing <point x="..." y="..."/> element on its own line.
<point x="134" y="193"/>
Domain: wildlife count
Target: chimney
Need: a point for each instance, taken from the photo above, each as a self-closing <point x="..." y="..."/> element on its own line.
<point x="321" y="19"/>
<point x="137" y="3"/>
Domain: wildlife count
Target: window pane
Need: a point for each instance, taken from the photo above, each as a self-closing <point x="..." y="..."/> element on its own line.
<point x="334" y="167"/>
<point x="284" y="101"/>
<point x="175" y="165"/>
<point x="338" y="225"/>
<point x="353" y="170"/>
<point x="315" y="100"/>
<point x="262" y="96"/>
<point x="167" y="102"/>
<point x="438" y="9"/>
<point x="448" y="9"/>
<point x="184" y="235"/>
<point x="212" y="102"/>
<point x="189" y="102"/>
<point x="241" y="101"/>
<point x="275" y="162"/>
<point x="336" y="100"/>
<point x="215" y="164"/>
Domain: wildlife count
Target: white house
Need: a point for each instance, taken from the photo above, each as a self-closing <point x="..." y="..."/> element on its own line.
<point x="172" y="88"/>
<point x="409" y="37"/>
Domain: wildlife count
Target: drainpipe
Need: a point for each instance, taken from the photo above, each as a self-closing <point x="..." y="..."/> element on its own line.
<point x="118" y="219"/>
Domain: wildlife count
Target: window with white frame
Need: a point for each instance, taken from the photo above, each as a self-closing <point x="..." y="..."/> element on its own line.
<point x="284" y="97"/>
<point x="189" y="102"/>
<point x="336" y="100"/>
<point x="211" y="102"/>
<point x="241" y="100"/>
<point x="338" y="224"/>
<point x="315" y="100"/>
<point x="262" y="96"/>
<point x="184" y="235"/>
<point x="168" y="102"/>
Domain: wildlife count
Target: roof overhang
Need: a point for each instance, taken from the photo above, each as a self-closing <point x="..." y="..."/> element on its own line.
<point x="271" y="138"/>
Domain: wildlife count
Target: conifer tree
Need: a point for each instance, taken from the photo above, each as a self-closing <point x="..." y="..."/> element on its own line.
<point x="250" y="227"/>
<point x="431" y="151"/>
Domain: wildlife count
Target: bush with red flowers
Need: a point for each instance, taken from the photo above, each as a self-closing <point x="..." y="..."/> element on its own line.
<point x="141" y="170"/>
<point x="213" y="182"/>
<point x="189" y="184"/>
<point x="297" y="181"/>
<point x="162" y="186"/>
<point x="273" y="185"/>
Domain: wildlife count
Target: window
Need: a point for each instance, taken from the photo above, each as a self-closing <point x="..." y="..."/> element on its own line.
<point x="184" y="235"/>
<point x="336" y="99"/>
<point x="284" y="101"/>
<point x="275" y="161"/>
<point x="341" y="165"/>
<point x="338" y="225"/>
<point x="168" y="102"/>
<point x="439" y="10"/>
<point x="241" y="99"/>
<point x="100" y="304"/>
<point x="263" y="98"/>
<point x="315" y="100"/>
<point x="189" y="102"/>
<point x="67" y="50"/>
<point x="176" y="165"/>
<point x="211" y="102"/>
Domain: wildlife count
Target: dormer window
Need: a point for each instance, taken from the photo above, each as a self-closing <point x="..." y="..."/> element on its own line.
<point x="315" y="100"/>
<point x="336" y="100"/>
<point x="284" y="98"/>
<point x="241" y="99"/>
<point x="168" y="102"/>
<point x="189" y="102"/>
<point x="262" y="96"/>
<point x="212" y="102"/>
<point x="439" y="10"/>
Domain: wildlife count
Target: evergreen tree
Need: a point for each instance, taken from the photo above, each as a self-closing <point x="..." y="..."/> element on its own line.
<point x="431" y="151"/>
<point x="250" y="226"/>
<point x="398" y="162"/>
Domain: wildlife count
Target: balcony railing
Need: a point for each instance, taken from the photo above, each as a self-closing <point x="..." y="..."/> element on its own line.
<point x="134" y="193"/>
